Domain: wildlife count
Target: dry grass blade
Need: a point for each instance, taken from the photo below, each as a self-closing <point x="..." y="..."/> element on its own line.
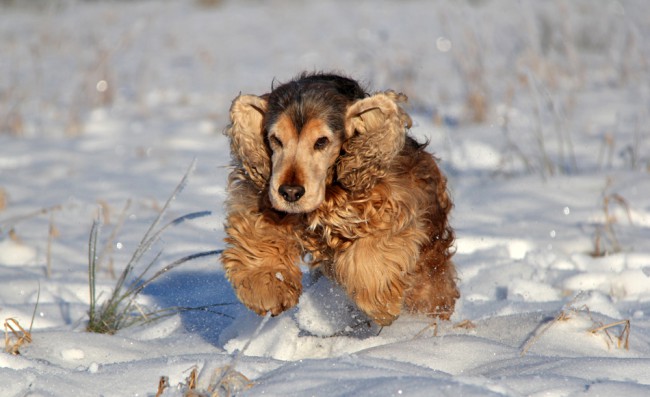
<point x="53" y="233"/>
<point x="9" y="223"/>
<point x="191" y="380"/>
<point x="134" y="291"/>
<point x="564" y="315"/>
<point x="13" y="236"/>
<point x="230" y="382"/>
<point x="433" y="325"/>
<point x="465" y="324"/>
<point x="163" y="383"/>
<point x="108" y="246"/>
<point x="3" y="199"/>
<point x="19" y="336"/>
<point x="606" y="233"/>
<point x="229" y="373"/>
<point x="188" y="387"/>
<point x="620" y="200"/>
<point x="226" y="380"/>
<point x="570" y="312"/>
<point x="147" y="241"/>
<point x="531" y="341"/>
<point x="623" y="339"/>
<point x="607" y="149"/>
<point x="15" y="336"/>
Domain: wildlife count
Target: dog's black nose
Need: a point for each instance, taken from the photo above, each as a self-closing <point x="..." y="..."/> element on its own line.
<point x="291" y="193"/>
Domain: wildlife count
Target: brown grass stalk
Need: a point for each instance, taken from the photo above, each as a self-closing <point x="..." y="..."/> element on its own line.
<point x="15" y="336"/>
<point x="623" y="339"/>
<point x="163" y="384"/>
<point x="570" y="312"/>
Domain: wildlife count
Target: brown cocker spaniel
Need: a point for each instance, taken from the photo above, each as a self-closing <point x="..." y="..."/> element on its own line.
<point x="326" y="173"/>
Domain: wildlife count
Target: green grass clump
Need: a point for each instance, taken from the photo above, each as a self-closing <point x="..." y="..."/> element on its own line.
<point x="121" y="310"/>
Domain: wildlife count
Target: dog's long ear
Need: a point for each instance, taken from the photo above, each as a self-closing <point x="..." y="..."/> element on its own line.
<point x="376" y="131"/>
<point x="246" y="134"/>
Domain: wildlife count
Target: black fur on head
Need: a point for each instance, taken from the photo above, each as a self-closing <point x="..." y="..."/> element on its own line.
<point x="312" y="95"/>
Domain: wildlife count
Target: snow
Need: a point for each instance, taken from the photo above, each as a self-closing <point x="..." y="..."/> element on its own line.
<point x="107" y="103"/>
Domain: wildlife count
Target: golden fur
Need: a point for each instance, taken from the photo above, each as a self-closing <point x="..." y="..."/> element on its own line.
<point x="371" y="212"/>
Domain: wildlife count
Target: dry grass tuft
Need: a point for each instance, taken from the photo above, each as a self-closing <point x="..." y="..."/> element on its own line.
<point x="10" y="223"/>
<point x="562" y="316"/>
<point x="623" y="338"/>
<point x="465" y="324"/>
<point x="477" y="106"/>
<point x="607" y="151"/>
<point x="15" y="336"/>
<point x="605" y="238"/>
<point x="224" y="381"/>
<point x="163" y="384"/>
<point x="52" y="233"/>
<point x="4" y="199"/>
<point x="570" y="312"/>
<point x="432" y="326"/>
<point x="13" y="236"/>
<point x="192" y="379"/>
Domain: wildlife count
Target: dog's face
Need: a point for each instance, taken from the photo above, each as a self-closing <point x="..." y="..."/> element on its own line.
<point x="303" y="127"/>
<point x="303" y="153"/>
<point x="313" y="131"/>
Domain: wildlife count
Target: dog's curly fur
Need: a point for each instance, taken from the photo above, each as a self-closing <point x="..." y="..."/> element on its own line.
<point x="326" y="173"/>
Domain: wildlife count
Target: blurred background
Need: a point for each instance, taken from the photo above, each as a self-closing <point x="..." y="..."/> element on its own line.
<point x="461" y="62"/>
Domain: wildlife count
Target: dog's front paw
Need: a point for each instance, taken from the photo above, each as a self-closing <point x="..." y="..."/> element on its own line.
<point x="382" y="311"/>
<point x="264" y="292"/>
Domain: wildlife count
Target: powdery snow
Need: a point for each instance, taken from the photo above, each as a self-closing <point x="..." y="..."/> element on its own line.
<point x="539" y="112"/>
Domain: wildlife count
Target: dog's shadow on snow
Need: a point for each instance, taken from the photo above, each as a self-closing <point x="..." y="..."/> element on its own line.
<point x="205" y="300"/>
<point x="208" y="306"/>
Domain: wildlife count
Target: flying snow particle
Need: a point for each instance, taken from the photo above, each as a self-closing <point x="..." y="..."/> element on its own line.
<point x="73" y="354"/>
<point x="93" y="368"/>
<point x="443" y="44"/>
<point x="102" y="86"/>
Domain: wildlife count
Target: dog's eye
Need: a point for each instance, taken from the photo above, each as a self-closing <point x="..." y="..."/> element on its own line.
<point x="321" y="143"/>
<point x="275" y="142"/>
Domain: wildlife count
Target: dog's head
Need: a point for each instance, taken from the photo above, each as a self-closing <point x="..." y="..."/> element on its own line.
<point x="296" y="139"/>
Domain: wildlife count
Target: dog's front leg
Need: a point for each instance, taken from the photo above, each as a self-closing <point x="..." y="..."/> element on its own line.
<point x="374" y="270"/>
<point x="261" y="263"/>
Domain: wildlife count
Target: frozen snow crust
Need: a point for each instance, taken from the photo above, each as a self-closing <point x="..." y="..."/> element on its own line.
<point x="539" y="112"/>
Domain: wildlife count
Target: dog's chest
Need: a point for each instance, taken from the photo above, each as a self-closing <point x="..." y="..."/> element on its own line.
<point x="336" y="226"/>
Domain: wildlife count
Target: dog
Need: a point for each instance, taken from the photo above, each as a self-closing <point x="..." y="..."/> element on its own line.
<point x="326" y="173"/>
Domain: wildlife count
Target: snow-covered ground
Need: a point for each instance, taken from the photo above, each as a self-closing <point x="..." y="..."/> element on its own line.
<point x="539" y="112"/>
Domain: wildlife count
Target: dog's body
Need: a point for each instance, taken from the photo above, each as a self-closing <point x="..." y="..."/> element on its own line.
<point x="324" y="172"/>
